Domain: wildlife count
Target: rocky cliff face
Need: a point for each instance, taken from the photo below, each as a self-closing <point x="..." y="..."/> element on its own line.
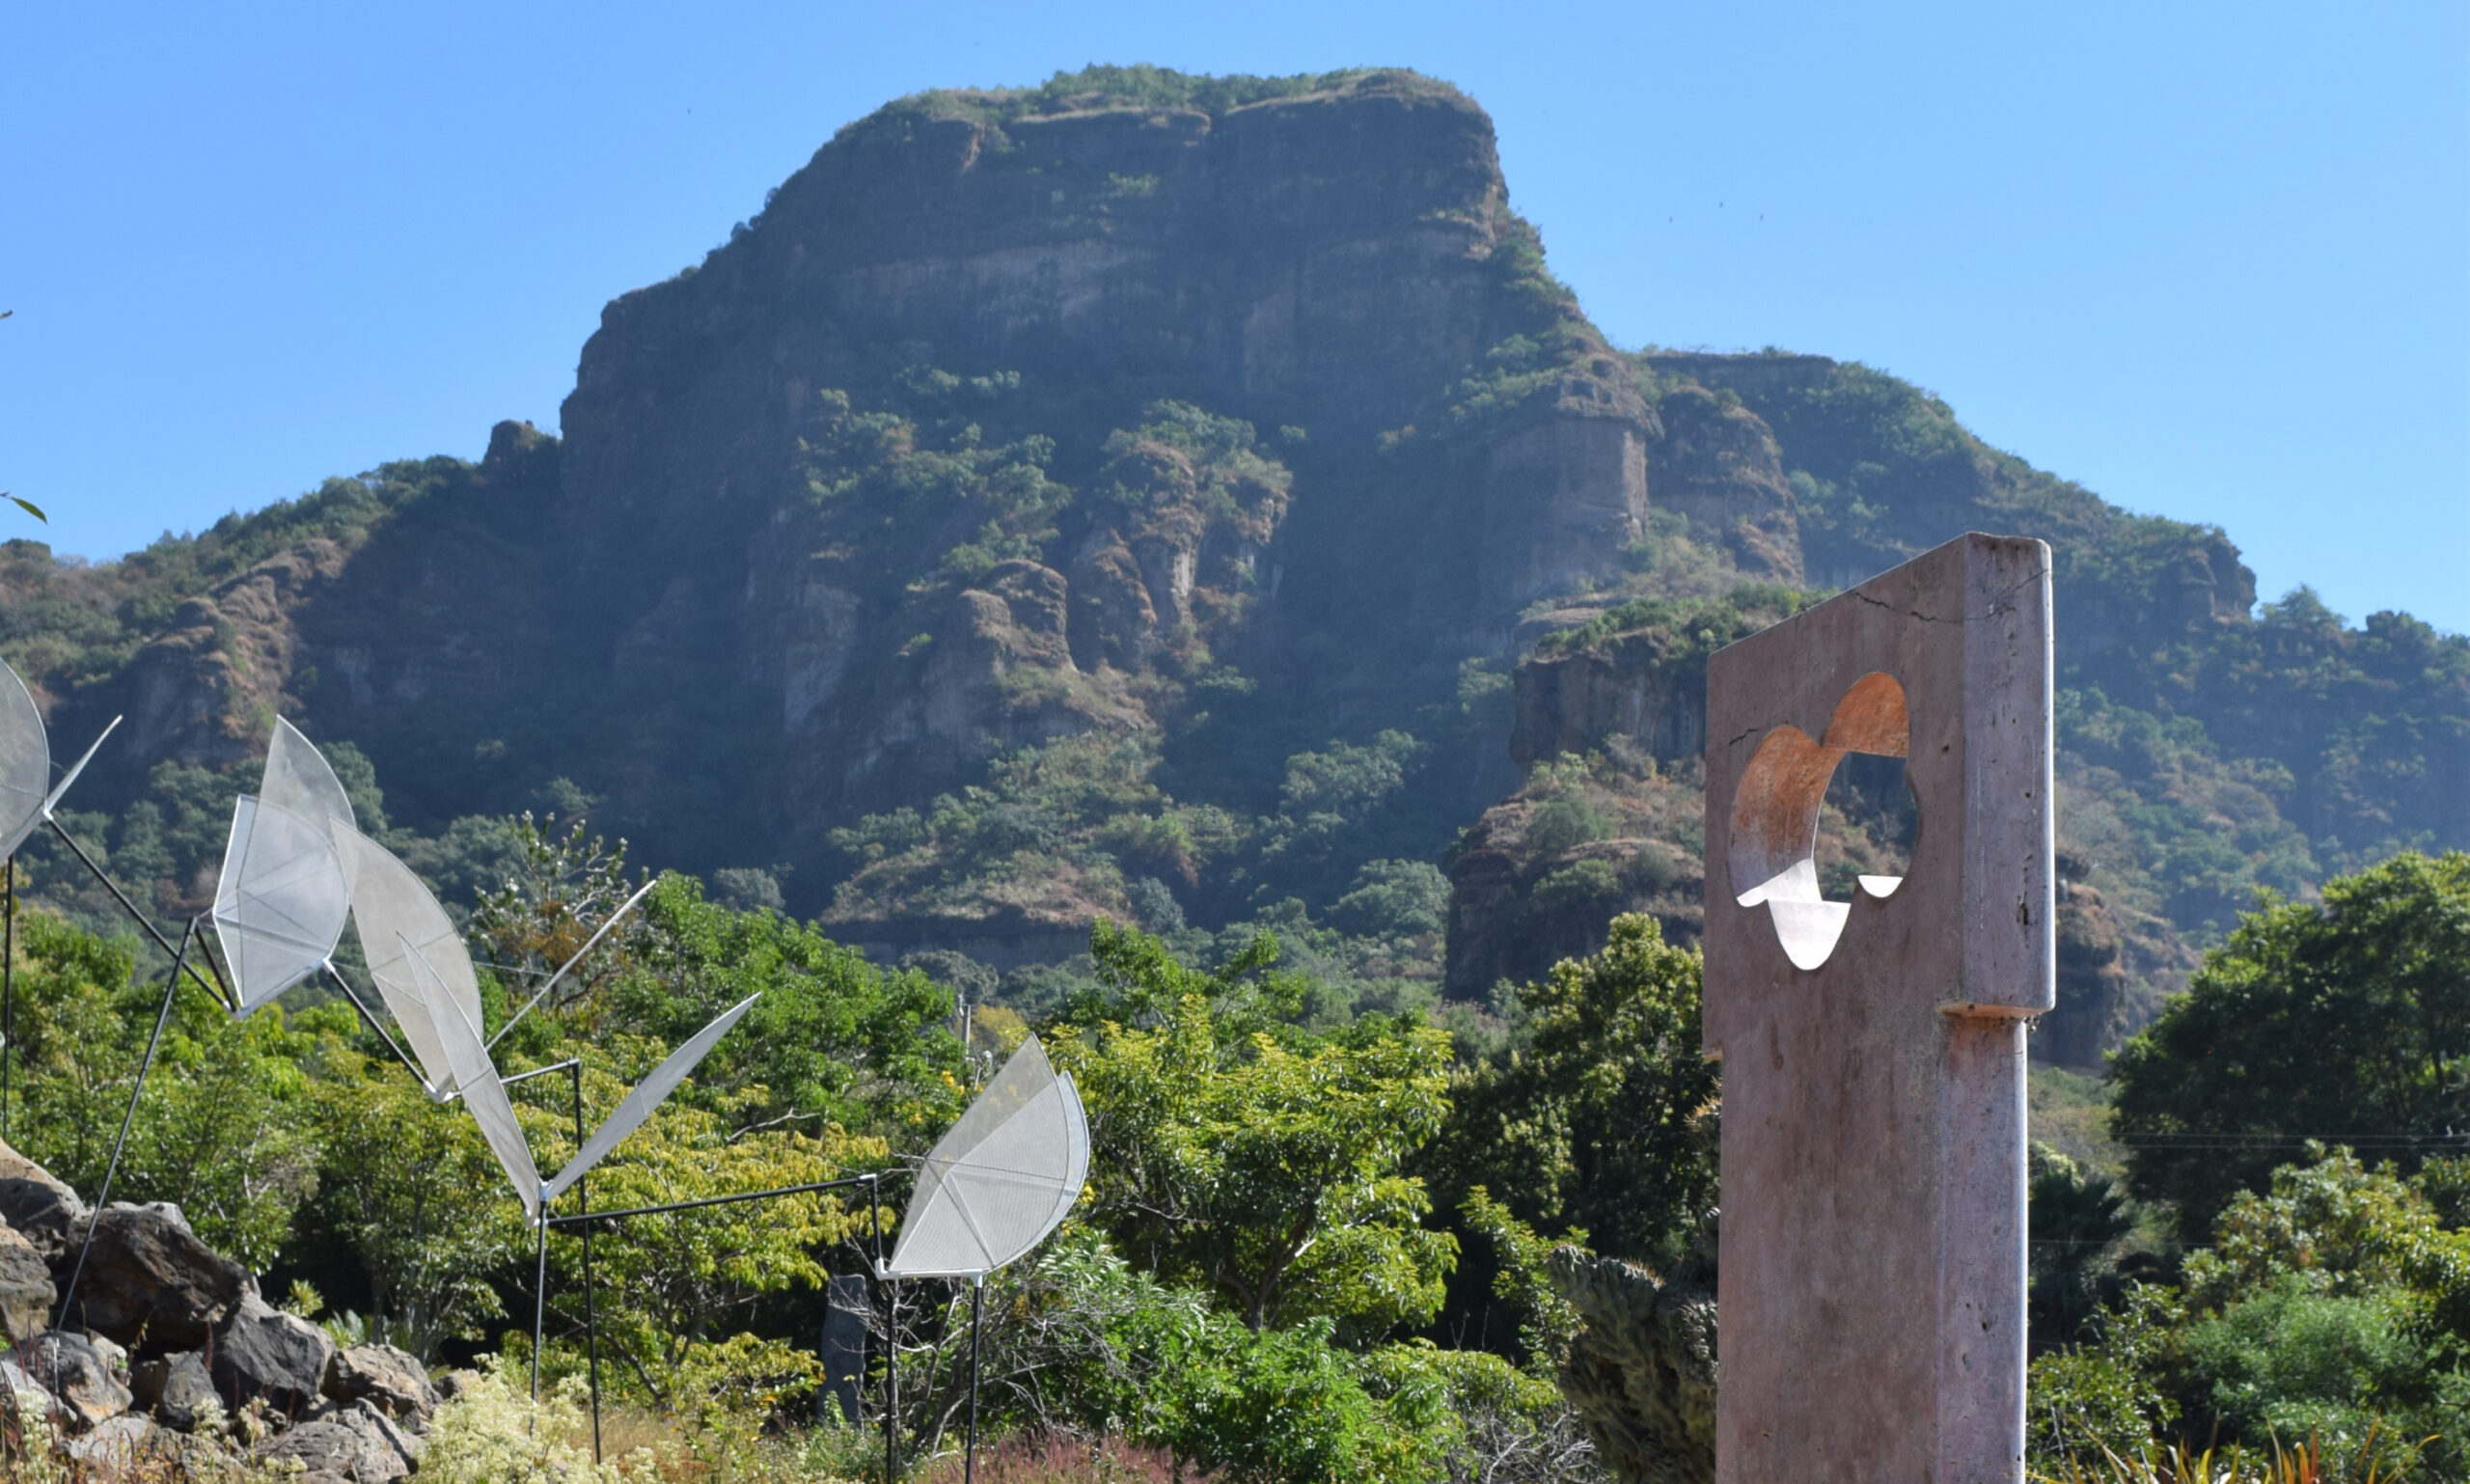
<point x="664" y="608"/>
<point x="1240" y="423"/>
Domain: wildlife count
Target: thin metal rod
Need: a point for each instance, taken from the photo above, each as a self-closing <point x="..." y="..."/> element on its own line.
<point x="892" y="1375"/>
<point x="540" y="1308"/>
<point x="891" y="1351"/>
<point x="369" y="1018"/>
<point x="711" y="1200"/>
<point x="171" y="987"/>
<point x="976" y="1300"/>
<point x="8" y="995"/>
<point x="218" y="991"/>
<point x="570" y="1065"/>
<point x="590" y="1312"/>
<point x="589" y="944"/>
<point x="51" y="799"/>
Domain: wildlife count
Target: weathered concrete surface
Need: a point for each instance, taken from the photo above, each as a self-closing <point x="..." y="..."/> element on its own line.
<point x="1872" y="1259"/>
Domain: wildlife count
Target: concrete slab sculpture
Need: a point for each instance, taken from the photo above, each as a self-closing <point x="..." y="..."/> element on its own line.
<point x="1871" y="1264"/>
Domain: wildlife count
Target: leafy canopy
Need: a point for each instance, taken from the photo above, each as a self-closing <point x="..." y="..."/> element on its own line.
<point x="2349" y="1022"/>
<point x="1264" y="1164"/>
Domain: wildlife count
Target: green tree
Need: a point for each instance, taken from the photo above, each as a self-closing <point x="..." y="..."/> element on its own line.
<point x="1602" y="1114"/>
<point x="678" y="1293"/>
<point x="2348" y="1021"/>
<point x="832" y="1040"/>
<point x="415" y="1194"/>
<point x="223" y="1129"/>
<point x="2077" y="1218"/>
<point x="2336" y="1300"/>
<point x="1266" y="1166"/>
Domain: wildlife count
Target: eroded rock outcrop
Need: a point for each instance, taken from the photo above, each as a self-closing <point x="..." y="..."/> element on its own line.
<point x="384" y="1376"/>
<point x="176" y="1389"/>
<point x="81" y="1374"/>
<point x="354" y="1442"/>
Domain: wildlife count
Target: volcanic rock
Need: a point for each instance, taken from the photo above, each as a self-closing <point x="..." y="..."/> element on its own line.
<point x="26" y="1294"/>
<point x="176" y="1388"/>
<point x="71" y="1369"/>
<point x="149" y="1282"/>
<point x="385" y="1376"/>
<point x="352" y="1443"/>
<point x="40" y="1208"/>
<point x="264" y="1352"/>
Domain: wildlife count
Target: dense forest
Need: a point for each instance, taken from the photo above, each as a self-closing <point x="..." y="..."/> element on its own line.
<point x="1194" y="583"/>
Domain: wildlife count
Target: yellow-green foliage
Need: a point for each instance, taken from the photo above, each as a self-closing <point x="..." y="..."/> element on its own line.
<point x="672" y="1288"/>
<point x="1271" y="1173"/>
<point x="493" y="1432"/>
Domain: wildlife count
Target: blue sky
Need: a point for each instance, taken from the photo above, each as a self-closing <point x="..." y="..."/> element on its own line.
<point x="2212" y="261"/>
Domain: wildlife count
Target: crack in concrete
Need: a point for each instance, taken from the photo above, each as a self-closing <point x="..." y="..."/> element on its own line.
<point x="1999" y="602"/>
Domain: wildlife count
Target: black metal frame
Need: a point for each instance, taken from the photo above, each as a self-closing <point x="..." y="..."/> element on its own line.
<point x="875" y="1222"/>
<point x="377" y="1027"/>
<point x="128" y="1118"/>
<point x="221" y="991"/>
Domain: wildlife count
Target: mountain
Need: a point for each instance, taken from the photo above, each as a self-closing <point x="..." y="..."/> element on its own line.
<point x="1192" y="500"/>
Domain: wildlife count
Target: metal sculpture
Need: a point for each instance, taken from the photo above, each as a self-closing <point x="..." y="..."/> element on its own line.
<point x="483" y="1093"/>
<point x="993" y="1187"/>
<point x="25" y="802"/>
<point x="280" y="905"/>
<point x="405" y="936"/>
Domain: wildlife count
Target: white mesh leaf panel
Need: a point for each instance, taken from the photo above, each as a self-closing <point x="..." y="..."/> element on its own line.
<point x="478" y="1077"/>
<point x="77" y="768"/>
<point x="1001" y="1179"/>
<point x="25" y="761"/>
<point x="298" y="779"/>
<point x="281" y="903"/>
<point x="646" y="1097"/>
<point x="392" y="910"/>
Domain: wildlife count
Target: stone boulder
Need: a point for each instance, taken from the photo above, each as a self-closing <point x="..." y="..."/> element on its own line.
<point x="385" y="1376"/>
<point x="149" y="1282"/>
<point x="263" y="1354"/>
<point x="177" y="1389"/>
<point x="79" y="1376"/>
<point x="28" y="1396"/>
<point x="125" y="1444"/>
<point x="38" y="1207"/>
<point x="26" y="1294"/>
<point x="350" y="1444"/>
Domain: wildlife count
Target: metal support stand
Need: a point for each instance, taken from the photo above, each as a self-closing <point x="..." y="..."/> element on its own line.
<point x="891" y="1376"/>
<point x="976" y="1301"/>
<point x="7" y="994"/>
<point x="171" y="987"/>
<point x="892" y="1319"/>
<point x="540" y="1306"/>
<point x="585" y="1216"/>
<point x="590" y="1312"/>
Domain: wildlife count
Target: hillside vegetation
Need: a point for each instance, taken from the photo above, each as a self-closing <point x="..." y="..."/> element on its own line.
<point x="1160" y="558"/>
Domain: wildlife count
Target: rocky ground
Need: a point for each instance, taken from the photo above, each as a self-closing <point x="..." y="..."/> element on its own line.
<point x="169" y="1356"/>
